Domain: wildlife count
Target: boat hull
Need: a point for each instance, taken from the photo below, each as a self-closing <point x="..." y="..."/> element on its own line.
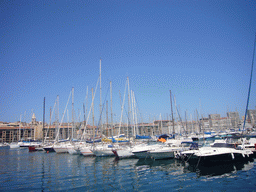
<point x="60" y="149"/>
<point x="142" y="154"/>
<point x="123" y="153"/>
<point x="218" y="158"/>
<point x="162" y="155"/>
<point x="85" y="151"/>
<point x="48" y="149"/>
<point x="73" y="151"/>
<point x="103" y="153"/>
<point x="14" y="146"/>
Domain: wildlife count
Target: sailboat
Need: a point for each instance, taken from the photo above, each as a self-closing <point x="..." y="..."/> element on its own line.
<point x="86" y="149"/>
<point x="48" y="145"/>
<point x="125" y="148"/>
<point x="61" y="145"/>
<point x="15" y="145"/>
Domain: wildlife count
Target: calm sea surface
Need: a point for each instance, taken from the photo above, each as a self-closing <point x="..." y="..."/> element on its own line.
<point x="21" y="170"/>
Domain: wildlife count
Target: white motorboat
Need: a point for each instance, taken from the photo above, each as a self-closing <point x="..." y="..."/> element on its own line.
<point x="220" y="151"/>
<point x="170" y="149"/>
<point x="142" y="151"/>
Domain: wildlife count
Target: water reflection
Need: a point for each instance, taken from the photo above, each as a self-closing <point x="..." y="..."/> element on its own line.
<point x="160" y="164"/>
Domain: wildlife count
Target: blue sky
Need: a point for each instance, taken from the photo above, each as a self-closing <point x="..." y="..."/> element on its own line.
<point x="201" y="50"/>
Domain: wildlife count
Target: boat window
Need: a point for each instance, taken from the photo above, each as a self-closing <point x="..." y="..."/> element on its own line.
<point x="223" y="145"/>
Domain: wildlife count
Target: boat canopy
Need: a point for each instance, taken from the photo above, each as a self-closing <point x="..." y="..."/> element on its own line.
<point x="142" y="137"/>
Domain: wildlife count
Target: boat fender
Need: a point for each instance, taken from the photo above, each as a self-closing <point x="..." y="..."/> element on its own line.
<point x="243" y="155"/>
<point x="233" y="157"/>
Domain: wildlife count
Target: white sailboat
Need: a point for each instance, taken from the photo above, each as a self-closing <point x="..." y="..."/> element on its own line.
<point x="103" y="150"/>
<point x="15" y="145"/>
<point x="61" y="146"/>
<point x="86" y="150"/>
<point x="124" y="152"/>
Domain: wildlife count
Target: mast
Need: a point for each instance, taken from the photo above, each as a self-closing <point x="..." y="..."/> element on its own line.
<point x="133" y="116"/>
<point x="100" y="100"/>
<point x="198" y="122"/>
<point x="72" y="134"/>
<point x="173" y="131"/>
<point x="87" y="91"/>
<point x="19" y="128"/>
<point x="122" y="109"/>
<point x="249" y="91"/>
<point x="43" y="117"/>
<point x="84" y="115"/>
<point x="177" y="115"/>
<point x="49" y="122"/>
<point x="57" y="120"/>
<point x="135" y="113"/>
<point x="93" y="115"/>
<point x="111" y="108"/>
<point x="68" y="122"/>
<point x="107" y="118"/>
<point x="129" y="108"/>
<point x="161" y="126"/>
<point x="186" y="123"/>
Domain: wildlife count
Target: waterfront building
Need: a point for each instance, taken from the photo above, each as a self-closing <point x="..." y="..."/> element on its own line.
<point x="214" y="116"/>
<point x="214" y="120"/>
<point x="204" y="124"/>
<point x="235" y="119"/>
<point x="12" y="133"/>
<point x="218" y="123"/>
<point x="251" y="117"/>
<point x="15" y="131"/>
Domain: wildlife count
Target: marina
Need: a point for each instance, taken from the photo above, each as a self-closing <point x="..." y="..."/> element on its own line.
<point x="132" y="156"/>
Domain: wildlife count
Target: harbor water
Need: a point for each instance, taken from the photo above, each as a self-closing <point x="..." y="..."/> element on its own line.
<point x="21" y="170"/>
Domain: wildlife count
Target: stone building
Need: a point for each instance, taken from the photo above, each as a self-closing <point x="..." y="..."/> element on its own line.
<point x="218" y="123"/>
<point x="251" y="117"/>
<point x="11" y="132"/>
<point x="234" y="118"/>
